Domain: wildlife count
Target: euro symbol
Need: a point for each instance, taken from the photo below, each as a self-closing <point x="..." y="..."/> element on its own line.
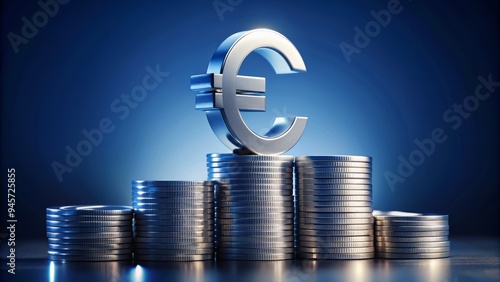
<point x="222" y="93"/>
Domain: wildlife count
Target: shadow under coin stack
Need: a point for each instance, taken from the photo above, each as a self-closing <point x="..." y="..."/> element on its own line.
<point x="403" y="235"/>
<point x="89" y="233"/>
<point x="174" y="220"/>
<point x="334" y="208"/>
<point x="254" y="206"/>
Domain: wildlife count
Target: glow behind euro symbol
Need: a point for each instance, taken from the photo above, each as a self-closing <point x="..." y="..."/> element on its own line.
<point x="222" y="93"/>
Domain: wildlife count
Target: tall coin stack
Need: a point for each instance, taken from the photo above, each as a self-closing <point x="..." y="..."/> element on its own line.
<point x="403" y="235"/>
<point x="174" y="220"/>
<point x="334" y="208"/>
<point x="89" y="233"/>
<point x="254" y="206"/>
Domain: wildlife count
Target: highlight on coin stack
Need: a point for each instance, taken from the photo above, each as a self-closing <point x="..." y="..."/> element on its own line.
<point x="89" y="233"/>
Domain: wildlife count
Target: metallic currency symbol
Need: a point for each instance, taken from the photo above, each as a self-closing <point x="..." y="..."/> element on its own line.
<point x="222" y="93"/>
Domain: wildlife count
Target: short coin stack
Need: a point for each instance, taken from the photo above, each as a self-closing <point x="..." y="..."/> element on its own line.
<point x="254" y="206"/>
<point x="334" y="208"/>
<point x="89" y="233"/>
<point x="174" y="220"/>
<point x="403" y="235"/>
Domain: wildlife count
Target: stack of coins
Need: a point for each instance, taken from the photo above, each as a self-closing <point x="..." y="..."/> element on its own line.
<point x="174" y="220"/>
<point x="334" y="208"/>
<point x="254" y="206"/>
<point x="89" y="233"/>
<point x="403" y="235"/>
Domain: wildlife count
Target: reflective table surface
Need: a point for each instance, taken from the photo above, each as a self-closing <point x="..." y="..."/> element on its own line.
<point x="472" y="259"/>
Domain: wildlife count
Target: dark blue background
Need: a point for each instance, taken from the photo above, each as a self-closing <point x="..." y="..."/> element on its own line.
<point x="65" y="78"/>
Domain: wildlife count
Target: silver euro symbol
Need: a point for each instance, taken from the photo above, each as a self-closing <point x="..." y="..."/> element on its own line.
<point x="222" y="93"/>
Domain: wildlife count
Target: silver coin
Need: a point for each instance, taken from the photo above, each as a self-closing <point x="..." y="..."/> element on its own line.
<point x="257" y="222"/>
<point x="413" y="250"/>
<point x="89" y="246"/>
<point x="180" y="234"/>
<point x="90" y="241"/>
<point x="240" y="158"/>
<point x="312" y="198"/>
<point x="269" y="215"/>
<point x="333" y="175"/>
<point x="316" y="164"/>
<point x="92" y="258"/>
<point x="255" y="239"/>
<point x="305" y="169"/>
<point x="173" y="240"/>
<point x="88" y="223"/>
<point x="185" y="222"/>
<point x="173" y="217"/>
<point x="333" y="192"/>
<point x="254" y="256"/>
<point x="316" y="181"/>
<point x="438" y="244"/>
<point x="222" y="197"/>
<point x="252" y="181"/>
<point x="77" y="218"/>
<point x="139" y="251"/>
<point x="334" y="209"/>
<point x="253" y="227"/>
<point x="312" y="232"/>
<point x="340" y="158"/>
<point x="413" y="256"/>
<point x="412" y="233"/>
<point x="324" y="250"/>
<point x="152" y="189"/>
<point x="336" y="256"/>
<point x="335" y="244"/>
<point x="331" y="215"/>
<point x="90" y="253"/>
<point x="335" y="226"/>
<point x="255" y="233"/>
<point x="411" y="223"/>
<point x="343" y="187"/>
<point x="258" y="169"/>
<point x="397" y="215"/>
<point x="167" y="201"/>
<point x="261" y="192"/>
<point x="256" y="209"/>
<point x="391" y="239"/>
<point x="173" y="228"/>
<point x="176" y="211"/>
<point x="205" y="194"/>
<point x="58" y="229"/>
<point x="173" y="257"/>
<point x="303" y="203"/>
<point x="165" y="206"/>
<point x="270" y="204"/>
<point x="183" y="246"/>
<point x="251" y="190"/>
<point x="165" y="183"/>
<point x="90" y="210"/>
<point x="345" y="221"/>
<point x="255" y="245"/>
<point x="333" y="239"/>
<point x="100" y="235"/>
<point x="236" y="164"/>
<point x="255" y="251"/>
<point x="412" y="228"/>
<point x="237" y="175"/>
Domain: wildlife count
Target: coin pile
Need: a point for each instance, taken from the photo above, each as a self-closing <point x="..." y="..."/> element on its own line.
<point x="254" y="206"/>
<point x="334" y="207"/>
<point x="89" y="233"/>
<point x="403" y="235"/>
<point x="174" y="220"/>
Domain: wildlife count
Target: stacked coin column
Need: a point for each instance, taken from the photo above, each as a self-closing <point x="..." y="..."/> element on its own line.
<point x="89" y="233"/>
<point x="174" y="220"/>
<point x="254" y="212"/>
<point x="402" y="235"/>
<point x="334" y="207"/>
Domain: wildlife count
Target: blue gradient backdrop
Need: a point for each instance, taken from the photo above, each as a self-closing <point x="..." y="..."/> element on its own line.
<point x="65" y="78"/>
